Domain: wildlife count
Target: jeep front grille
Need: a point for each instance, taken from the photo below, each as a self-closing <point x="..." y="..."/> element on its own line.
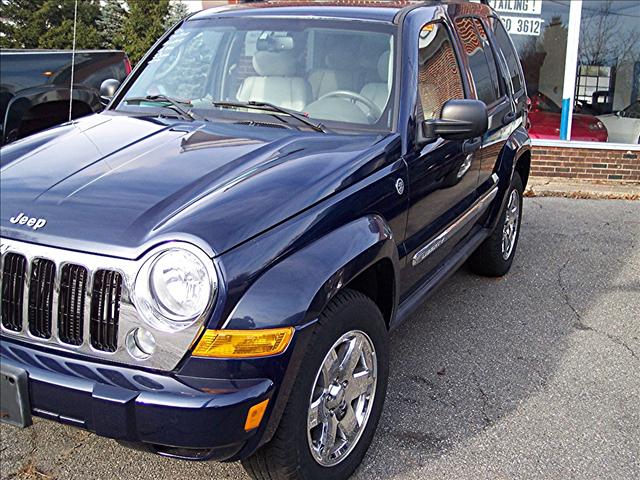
<point x="13" y="274"/>
<point x="67" y="290"/>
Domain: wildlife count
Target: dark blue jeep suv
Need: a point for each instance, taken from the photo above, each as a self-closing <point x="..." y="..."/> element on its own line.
<point x="210" y="268"/>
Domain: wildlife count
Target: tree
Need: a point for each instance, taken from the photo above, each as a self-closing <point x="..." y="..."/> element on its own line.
<point x="48" y="24"/>
<point x="110" y="24"/>
<point x="177" y="11"/>
<point x="143" y="25"/>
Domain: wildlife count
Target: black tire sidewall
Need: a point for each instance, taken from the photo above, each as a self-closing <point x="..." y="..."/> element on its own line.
<point x="355" y="313"/>
<point x="516" y="184"/>
<point x="488" y="260"/>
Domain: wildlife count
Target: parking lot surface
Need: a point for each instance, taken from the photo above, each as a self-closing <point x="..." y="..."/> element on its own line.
<point x="535" y="375"/>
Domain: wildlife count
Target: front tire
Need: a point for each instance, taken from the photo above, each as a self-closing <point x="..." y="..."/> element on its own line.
<point x="494" y="256"/>
<point x="337" y="399"/>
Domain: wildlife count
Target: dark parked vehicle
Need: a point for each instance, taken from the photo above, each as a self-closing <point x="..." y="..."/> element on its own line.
<point x="210" y="268"/>
<point x="35" y="87"/>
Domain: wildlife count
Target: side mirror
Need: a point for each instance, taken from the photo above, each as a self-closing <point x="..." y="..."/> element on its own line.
<point x="459" y="120"/>
<point x="108" y="89"/>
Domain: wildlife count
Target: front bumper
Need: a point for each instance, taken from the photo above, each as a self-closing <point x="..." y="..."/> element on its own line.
<point x="188" y="417"/>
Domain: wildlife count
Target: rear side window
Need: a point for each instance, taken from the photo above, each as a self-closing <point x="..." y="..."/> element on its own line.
<point x="486" y="83"/>
<point x="439" y="76"/>
<point x="513" y="63"/>
<point x="500" y="90"/>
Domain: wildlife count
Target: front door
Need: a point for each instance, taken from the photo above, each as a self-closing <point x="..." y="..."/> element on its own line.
<point x="443" y="175"/>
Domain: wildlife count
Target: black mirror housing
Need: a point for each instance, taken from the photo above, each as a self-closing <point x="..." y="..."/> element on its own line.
<point x="108" y="88"/>
<point x="459" y="120"/>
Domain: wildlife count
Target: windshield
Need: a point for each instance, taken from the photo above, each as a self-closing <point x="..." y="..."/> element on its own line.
<point x="337" y="72"/>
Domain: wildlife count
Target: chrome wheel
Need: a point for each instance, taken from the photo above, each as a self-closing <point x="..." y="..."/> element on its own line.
<point x="342" y="398"/>
<point x="510" y="227"/>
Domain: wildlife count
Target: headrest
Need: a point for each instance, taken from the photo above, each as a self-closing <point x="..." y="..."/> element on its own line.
<point x="339" y="60"/>
<point x="274" y="64"/>
<point x="383" y="66"/>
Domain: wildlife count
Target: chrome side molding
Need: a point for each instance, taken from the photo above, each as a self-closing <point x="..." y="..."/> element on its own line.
<point x="472" y="214"/>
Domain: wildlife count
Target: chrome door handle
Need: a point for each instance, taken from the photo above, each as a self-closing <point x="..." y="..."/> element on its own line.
<point x="466" y="165"/>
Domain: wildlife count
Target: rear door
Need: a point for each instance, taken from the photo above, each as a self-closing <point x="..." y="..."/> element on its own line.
<point x="491" y="89"/>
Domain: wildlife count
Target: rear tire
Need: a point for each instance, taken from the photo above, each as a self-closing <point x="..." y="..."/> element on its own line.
<point x="494" y="256"/>
<point x="350" y="323"/>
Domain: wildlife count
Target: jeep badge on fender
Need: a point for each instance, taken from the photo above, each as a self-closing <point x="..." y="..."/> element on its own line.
<point x="229" y="244"/>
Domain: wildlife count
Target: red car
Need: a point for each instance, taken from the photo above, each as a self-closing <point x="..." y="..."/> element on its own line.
<point x="545" y="122"/>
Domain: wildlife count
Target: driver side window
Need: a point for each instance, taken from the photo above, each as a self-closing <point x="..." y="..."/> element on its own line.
<point x="439" y="76"/>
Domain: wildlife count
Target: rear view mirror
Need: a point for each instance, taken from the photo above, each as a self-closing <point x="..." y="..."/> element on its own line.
<point x="108" y="89"/>
<point x="459" y="120"/>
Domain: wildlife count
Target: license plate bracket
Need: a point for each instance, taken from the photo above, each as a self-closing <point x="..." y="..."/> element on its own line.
<point x="15" y="408"/>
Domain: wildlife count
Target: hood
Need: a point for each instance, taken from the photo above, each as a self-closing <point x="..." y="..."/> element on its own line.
<point x="584" y="121"/>
<point x="118" y="185"/>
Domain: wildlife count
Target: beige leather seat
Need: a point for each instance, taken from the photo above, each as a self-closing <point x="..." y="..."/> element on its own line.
<point x="378" y="92"/>
<point x="276" y="81"/>
<point x="339" y="74"/>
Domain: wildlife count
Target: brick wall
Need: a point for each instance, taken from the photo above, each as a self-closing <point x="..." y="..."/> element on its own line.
<point x="586" y="164"/>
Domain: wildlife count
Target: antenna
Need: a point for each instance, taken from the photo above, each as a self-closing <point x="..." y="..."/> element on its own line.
<point x="73" y="58"/>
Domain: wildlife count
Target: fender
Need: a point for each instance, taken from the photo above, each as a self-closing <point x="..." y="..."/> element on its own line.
<point x="316" y="273"/>
<point x="28" y="98"/>
<point x="514" y="148"/>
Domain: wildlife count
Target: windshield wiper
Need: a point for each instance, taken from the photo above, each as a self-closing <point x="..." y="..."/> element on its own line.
<point x="174" y="104"/>
<point x="270" y="107"/>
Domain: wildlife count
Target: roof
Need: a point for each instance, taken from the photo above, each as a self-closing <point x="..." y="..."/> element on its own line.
<point x="376" y="10"/>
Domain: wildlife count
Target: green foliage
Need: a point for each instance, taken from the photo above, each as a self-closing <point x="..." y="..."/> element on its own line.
<point x="48" y="24"/>
<point x="177" y="11"/>
<point x="143" y="26"/>
<point x="110" y="23"/>
<point x="129" y="25"/>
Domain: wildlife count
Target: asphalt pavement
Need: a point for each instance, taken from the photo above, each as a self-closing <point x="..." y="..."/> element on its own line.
<point x="532" y="376"/>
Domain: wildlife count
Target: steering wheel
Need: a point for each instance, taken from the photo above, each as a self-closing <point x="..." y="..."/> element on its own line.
<point x="373" y="114"/>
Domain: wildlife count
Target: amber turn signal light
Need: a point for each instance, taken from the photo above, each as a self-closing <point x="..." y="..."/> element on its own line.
<point x="243" y="343"/>
<point x="254" y="417"/>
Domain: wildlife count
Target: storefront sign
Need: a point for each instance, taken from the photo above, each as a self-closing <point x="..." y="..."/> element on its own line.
<point x="523" y="25"/>
<point x="533" y="7"/>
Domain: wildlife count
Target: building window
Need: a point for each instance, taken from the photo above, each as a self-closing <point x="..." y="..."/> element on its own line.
<point x="608" y="76"/>
<point x="607" y="82"/>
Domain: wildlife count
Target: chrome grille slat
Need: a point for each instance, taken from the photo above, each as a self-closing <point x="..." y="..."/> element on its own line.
<point x="105" y="310"/>
<point x="73" y="285"/>
<point x="40" y="298"/>
<point x="14" y="271"/>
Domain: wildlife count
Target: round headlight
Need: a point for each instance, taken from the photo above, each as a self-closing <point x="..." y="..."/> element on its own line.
<point x="175" y="287"/>
<point x="180" y="285"/>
